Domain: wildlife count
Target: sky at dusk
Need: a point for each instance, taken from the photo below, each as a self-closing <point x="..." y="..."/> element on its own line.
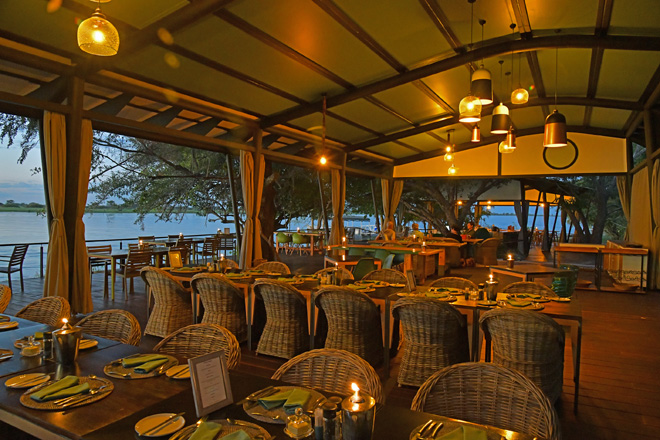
<point x="17" y="181"/>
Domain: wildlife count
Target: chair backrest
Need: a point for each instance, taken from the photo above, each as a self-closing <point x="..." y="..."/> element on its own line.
<point x="363" y="267"/>
<point x="182" y="250"/>
<point x="274" y="266"/>
<point x="136" y="261"/>
<point x="231" y="264"/>
<point x="174" y="237"/>
<point x="49" y="310"/>
<point x="281" y="298"/>
<point x="209" y="246"/>
<point x="332" y="371"/>
<point x="199" y="339"/>
<point x="104" y="249"/>
<point x="226" y="244"/>
<point x="18" y="255"/>
<point x="489" y="242"/>
<point x="147" y="237"/>
<point x="356" y="252"/>
<point x="139" y="247"/>
<point x="529" y="342"/>
<point x="387" y="263"/>
<point x="454" y="282"/>
<point x="217" y="292"/>
<point x="388" y="275"/>
<point x="164" y="286"/>
<point x="489" y="394"/>
<point x="118" y="325"/>
<point x="185" y="242"/>
<point x="283" y="238"/>
<point x="345" y="274"/>
<point x="5" y="297"/>
<point x="381" y="254"/>
<point x="529" y="287"/>
<point x="297" y="238"/>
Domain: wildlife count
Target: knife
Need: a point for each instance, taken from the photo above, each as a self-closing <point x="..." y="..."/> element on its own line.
<point x="182" y="372"/>
<point x="29" y="381"/>
<point x="162" y="424"/>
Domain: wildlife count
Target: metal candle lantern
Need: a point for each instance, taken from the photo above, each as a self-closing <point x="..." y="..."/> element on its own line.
<point x="358" y="412"/>
<point x="509" y="262"/>
<point x="491" y="290"/>
<point x="65" y="343"/>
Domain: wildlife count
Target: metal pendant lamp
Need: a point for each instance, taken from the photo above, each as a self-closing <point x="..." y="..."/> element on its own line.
<point x="482" y="84"/>
<point x="500" y="121"/>
<point x="476" y="134"/>
<point x="449" y="151"/>
<point x="97" y="35"/>
<point x="469" y="108"/>
<point x="520" y="95"/>
<point x="555" y="124"/>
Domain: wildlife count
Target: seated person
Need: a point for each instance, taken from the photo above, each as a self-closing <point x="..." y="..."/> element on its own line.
<point x="388" y="234"/>
<point x="454" y="233"/>
<point x="479" y="232"/>
<point x="416" y="234"/>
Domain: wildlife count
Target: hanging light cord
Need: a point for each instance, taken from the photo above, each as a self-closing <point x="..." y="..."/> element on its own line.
<point x="556" y="73"/>
<point x="325" y="107"/>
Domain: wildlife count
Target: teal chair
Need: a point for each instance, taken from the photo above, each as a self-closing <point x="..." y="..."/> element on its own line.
<point x="387" y="262"/>
<point x="381" y="254"/>
<point x="301" y="240"/>
<point x="363" y="267"/>
<point x="354" y="252"/>
<point x="283" y="242"/>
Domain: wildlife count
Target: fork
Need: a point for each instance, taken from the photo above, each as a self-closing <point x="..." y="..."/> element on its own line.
<point x="429" y="430"/>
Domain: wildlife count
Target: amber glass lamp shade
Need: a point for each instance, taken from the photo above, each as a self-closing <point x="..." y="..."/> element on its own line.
<point x="504" y="147"/>
<point x="469" y="109"/>
<point x="500" y="122"/>
<point x="519" y="96"/>
<point x="555" y="130"/>
<point x="98" y="36"/>
<point x="482" y="85"/>
<point x="476" y="134"/>
<point x="452" y="170"/>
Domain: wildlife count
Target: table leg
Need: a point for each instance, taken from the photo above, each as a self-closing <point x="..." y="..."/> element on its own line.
<point x="113" y="276"/>
<point x="386" y="338"/>
<point x="311" y="245"/>
<point x="312" y="321"/>
<point x="249" y="311"/>
<point x="105" y="280"/>
<point x="476" y="340"/>
<point x="576" y="366"/>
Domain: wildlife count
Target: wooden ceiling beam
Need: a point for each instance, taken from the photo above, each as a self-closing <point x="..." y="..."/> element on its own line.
<point x="487" y="51"/>
<point x="165" y="117"/>
<point x="54" y="91"/>
<point x="115" y="105"/>
<point x="603" y="17"/>
<point x="204" y="128"/>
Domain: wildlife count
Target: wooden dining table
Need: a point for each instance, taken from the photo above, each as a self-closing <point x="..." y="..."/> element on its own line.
<point x="114" y="417"/>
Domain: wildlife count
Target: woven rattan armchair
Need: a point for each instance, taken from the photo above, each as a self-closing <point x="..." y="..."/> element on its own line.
<point x="274" y="266"/>
<point x="435" y="335"/>
<point x="529" y="342"/>
<point x="486" y="252"/>
<point x="530" y="287"/>
<point x="118" y="325"/>
<point x="331" y="371"/>
<point x="353" y="322"/>
<point x="285" y="334"/>
<point x="489" y="394"/>
<point x="135" y="262"/>
<point x="388" y="275"/>
<point x="231" y="264"/>
<point x="198" y="339"/>
<point x="5" y="297"/>
<point x="172" y="305"/>
<point x="344" y="273"/>
<point x="224" y="303"/>
<point x="454" y="282"/>
<point x="49" y="310"/>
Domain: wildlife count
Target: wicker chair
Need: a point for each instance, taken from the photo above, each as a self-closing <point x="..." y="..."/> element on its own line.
<point x="331" y="371"/>
<point x="489" y="394"/>
<point x="14" y="263"/>
<point x="345" y="273"/>
<point x="224" y="303"/>
<point x="49" y="310"/>
<point x="388" y="275"/>
<point x="530" y="287"/>
<point x="172" y="306"/>
<point x="353" y="322"/>
<point x="5" y="297"/>
<point x="115" y="324"/>
<point x="435" y="336"/>
<point x="529" y="342"/>
<point x="274" y="266"/>
<point x="486" y="252"/>
<point x="231" y="264"/>
<point x="285" y="334"/>
<point x="198" y="339"/>
<point x="135" y="262"/>
<point x="454" y="282"/>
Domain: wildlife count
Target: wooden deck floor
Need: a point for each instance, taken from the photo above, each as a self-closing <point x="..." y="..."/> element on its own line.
<point x="620" y="381"/>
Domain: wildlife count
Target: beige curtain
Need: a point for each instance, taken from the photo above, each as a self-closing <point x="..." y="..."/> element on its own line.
<point x="655" y="210"/>
<point x="81" y="292"/>
<point x="251" y="243"/>
<point x="391" y="193"/>
<point x="624" y="197"/>
<point x="338" y="202"/>
<point x="56" y="281"/>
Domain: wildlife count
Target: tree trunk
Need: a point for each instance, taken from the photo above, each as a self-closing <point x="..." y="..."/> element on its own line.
<point x="267" y="214"/>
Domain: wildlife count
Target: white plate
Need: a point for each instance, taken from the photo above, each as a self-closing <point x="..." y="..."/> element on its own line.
<point x="8" y="325"/>
<point x="397" y="285"/>
<point x="172" y="372"/>
<point x="84" y="344"/>
<point x="147" y="423"/>
<point x="561" y="300"/>
<point x="26" y="380"/>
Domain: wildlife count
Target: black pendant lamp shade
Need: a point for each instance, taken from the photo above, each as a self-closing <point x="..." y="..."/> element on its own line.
<point x="555" y="130"/>
<point x="482" y="85"/>
<point x="500" y="121"/>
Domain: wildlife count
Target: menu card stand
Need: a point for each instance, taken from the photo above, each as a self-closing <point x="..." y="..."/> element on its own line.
<point x="210" y="383"/>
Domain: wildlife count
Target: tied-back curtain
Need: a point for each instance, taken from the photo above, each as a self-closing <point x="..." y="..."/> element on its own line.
<point x="391" y="194"/>
<point x="81" y="292"/>
<point x="251" y="243"/>
<point x="56" y="280"/>
<point x="338" y="201"/>
<point x="624" y="197"/>
<point x="655" y="210"/>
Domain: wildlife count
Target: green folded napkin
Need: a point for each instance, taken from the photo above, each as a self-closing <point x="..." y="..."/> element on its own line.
<point x="65" y="387"/>
<point x="138" y="360"/>
<point x="464" y="433"/>
<point x="436" y="294"/>
<point x="236" y="435"/>
<point x="274" y="400"/>
<point x="528" y="295"/>
<point x="147" y="367"/>
<point x="515" y="303"/>
<point x="286" y="280"/>
<point x="297" y="399"/>
<point x="359" y="287"/>
<point x="206" y="431"/>
<point x="235" y="275"/>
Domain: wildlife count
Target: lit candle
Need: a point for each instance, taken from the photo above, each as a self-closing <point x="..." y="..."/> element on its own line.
<point x="298" y="229"/>
<point x="222" y="257"/>
<point x="491" y="277"/>
<point x="355" y="398"/>
<point x="180" y="234"/>
<point x="343" y="258"/>
<point x="65" y="321"/>
<point x="343" y="239"/>
<point x="140" y="243"/>
<point x="510" y="257"/>
<point x="423" y="243"/>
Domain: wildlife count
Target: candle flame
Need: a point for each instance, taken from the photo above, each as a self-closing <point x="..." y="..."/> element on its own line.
<point x="356" y="397"/>
<point x="491" y="277"/>
<point x="64" y="320"/>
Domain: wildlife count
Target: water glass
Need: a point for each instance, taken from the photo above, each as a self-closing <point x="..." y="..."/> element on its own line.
<point x="474" y="294"/>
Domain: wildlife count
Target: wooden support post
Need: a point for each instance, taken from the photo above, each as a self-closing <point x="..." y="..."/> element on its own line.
<point x="324" y="213"/>
<point x="373" y="196"/>
<point x="546" y="225"/>
<point x="257" y="165"/>
<point x="234" y="199"/>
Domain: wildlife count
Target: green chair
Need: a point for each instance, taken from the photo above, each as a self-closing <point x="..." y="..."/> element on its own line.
<point x="283" y="242"/>
<point x="381" y="254"/>
<point x="301" y="240"/>
<point x="354" y="252"/>
<point x="387" y="262"/>
<point x="363" y="267"/>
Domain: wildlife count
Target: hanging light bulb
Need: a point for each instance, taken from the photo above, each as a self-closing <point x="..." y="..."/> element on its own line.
<point x="504" y="147"/>
<point x="98" y="36"/>
<point x="482" y="85"/>
<point x="520" y="95"/>
<point x="452" y="170"/>
<point x="476" y="134"/>
<point x="511" y="139"/>
<point x="323" y="160"/>
<point x="449" y="150"/>
<point x="555" y="124"/>
<point x="469" y="108"/>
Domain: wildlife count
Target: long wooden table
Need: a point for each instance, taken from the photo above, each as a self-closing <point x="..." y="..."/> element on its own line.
<point x="524" y="271"/>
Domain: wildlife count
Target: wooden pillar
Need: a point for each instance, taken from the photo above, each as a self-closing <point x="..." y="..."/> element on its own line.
<point x="546" y="224"/>
<point x="234" y="200"/>
<point x="652" y="137"/>
<point x="258" y="135"/>
<point x="373" y="197"/>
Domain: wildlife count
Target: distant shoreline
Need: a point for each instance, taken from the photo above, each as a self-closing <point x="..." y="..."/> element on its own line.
<point x="87" y="211"/>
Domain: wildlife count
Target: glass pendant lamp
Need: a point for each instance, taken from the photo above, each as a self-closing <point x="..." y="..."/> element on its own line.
<point x="98" y="36"/>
